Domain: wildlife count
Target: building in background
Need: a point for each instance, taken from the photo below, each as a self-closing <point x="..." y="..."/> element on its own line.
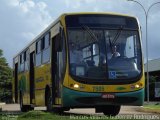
<point x="154" y="79"/>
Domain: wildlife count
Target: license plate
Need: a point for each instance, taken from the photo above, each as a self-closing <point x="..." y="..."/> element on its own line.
<point x="108" y="96"/>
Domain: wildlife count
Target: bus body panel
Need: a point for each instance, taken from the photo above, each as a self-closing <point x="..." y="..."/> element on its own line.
<point x="42" y="79"/>
<point x="105" y="88"/>
<point x="23" y="85"/>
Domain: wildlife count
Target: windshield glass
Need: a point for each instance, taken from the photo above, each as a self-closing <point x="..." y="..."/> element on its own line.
<point x="104" y="54"/>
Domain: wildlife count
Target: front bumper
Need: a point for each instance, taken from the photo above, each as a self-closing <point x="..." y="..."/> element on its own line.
<point x="77" y="99"/>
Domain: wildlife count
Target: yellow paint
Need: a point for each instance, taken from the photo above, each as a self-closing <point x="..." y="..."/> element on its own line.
<point x="104" y="88"/>
<point x="58" y="101"/>
<point x="26" y="94"/>
<point x="40" y="97"/>
<point x="42" y="79"/>
<point x="33" y="101"/>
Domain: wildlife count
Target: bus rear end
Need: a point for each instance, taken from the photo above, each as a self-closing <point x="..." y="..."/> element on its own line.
<point x="104" y="62"/>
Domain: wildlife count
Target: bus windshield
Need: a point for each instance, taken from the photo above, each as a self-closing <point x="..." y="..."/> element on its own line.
<point x="104" y="54"/>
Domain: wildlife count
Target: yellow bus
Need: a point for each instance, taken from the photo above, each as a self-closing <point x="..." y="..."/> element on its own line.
<point x="82" y="60"/>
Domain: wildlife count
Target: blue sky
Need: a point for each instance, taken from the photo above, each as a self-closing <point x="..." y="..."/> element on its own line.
<point x="23" y="20"/>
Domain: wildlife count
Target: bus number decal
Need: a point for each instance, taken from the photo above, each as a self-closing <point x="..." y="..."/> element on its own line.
<point x="98" y="88"/>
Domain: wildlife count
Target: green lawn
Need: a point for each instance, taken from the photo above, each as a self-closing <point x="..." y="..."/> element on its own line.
<point x="152" y="106"/>
<point x="34" y="115"/>
<point x="40" y="115"/>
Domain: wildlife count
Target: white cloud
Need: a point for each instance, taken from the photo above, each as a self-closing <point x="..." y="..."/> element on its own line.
<point x="27" y="5"/>
<point x="73" y="4"/>
<point x="12" y="2"/>
<point x="41" y="5"/>
<point x="67" y="2"/>
<point x="23" y="5"/>
<point x="21" y="21"/>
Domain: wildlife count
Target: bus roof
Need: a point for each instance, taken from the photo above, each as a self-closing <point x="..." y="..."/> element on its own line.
<point x="66" y="14"/>
<point x="103" y="13"/>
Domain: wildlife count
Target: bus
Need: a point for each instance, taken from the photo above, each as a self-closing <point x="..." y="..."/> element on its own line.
<point x="82" y="60"/>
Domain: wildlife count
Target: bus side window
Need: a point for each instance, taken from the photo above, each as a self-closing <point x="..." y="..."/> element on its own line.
<point x="26" y="60"/>
<point x="46" y="48"/>
<point x="60" y="49"/>
<point x="25" y="67"/>
<point x="38" y="53"/>
<point x="22" y="62"/>
<point x="63" y="55"/>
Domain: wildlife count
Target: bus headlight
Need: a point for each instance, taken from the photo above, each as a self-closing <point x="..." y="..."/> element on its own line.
<point x="76" y="86"/>
<point x="138" y="85"/>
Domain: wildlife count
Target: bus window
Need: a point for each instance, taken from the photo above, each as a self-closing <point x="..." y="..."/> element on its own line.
<point x="129" y="49"/>
<point x="38" y="47"/>
<point x="38" y="53"/>
<point x="22" y="62"/>
<point x="46" y="49"/>
<point x="91" y="53"/>
<point x="62" y="56"/>
<point x="98" y="59"/>
<point x="47" y="40"/>
<point x="25" y="67"/>
<point x="26" y="60"/>
<point x="127" y="64"/>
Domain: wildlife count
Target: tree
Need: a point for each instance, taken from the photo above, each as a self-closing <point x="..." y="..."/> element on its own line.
<point x="5" y="80"/>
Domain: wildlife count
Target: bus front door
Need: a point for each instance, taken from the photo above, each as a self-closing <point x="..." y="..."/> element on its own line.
<point x="56" y="75"/>
<point x="31" y="75"/>
<point x="16" y="83"/>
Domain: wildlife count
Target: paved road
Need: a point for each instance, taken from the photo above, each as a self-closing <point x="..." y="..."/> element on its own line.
<point x="127" y="112"/>
<point x="124" y="109"/>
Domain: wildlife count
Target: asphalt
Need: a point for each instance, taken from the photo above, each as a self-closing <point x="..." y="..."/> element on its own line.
<point x="15" y="108"/>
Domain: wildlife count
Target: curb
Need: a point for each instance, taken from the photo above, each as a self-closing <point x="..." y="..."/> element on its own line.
<point x="2" y="104"/>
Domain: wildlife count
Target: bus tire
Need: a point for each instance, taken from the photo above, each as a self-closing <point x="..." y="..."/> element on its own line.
<point x="111" y="110"/>
<point x="24" y="108"/>
<point x="48" y="100"/>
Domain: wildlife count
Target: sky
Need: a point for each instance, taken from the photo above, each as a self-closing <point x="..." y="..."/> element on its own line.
<point x="22" y="20"/>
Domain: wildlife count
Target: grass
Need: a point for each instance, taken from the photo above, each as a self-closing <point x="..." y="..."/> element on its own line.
<point x="153" y="106"/>
<point x="40" y="115"/>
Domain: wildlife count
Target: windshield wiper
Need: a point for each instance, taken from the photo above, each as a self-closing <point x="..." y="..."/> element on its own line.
<point x="90" y="33"/>
<point x="117" y="35"/>
<point x="112" y="42"/>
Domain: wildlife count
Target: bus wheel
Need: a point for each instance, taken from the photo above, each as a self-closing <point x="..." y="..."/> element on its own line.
<point x="21" y="101"/>
<point x="24" y="108"/>
<point x="48" y="101"/>
<point x="59" y="111"/>
<point x="111" y="110"/>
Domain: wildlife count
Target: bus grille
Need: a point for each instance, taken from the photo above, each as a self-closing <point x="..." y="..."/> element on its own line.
<point x="98" y="100"/>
